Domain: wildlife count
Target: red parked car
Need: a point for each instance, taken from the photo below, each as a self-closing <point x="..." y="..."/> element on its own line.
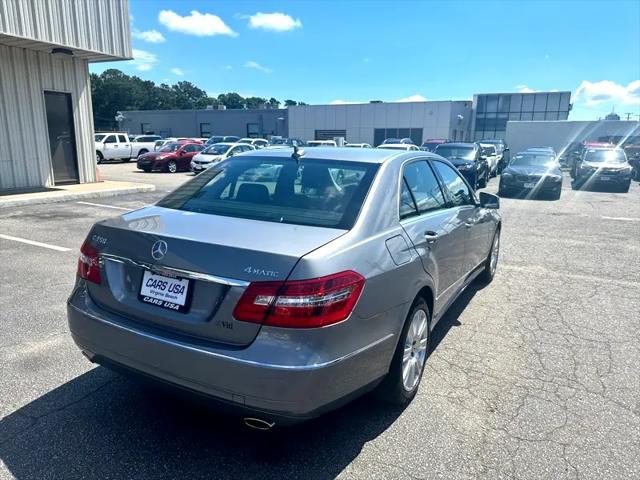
<point x="170" y="158"/>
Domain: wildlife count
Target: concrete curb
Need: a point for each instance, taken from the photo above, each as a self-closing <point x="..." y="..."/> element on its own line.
<point x="65" y="196"/>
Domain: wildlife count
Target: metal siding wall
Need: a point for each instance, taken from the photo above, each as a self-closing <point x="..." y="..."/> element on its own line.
<point x="94" y="25"/>
<point x="25" y="160"/>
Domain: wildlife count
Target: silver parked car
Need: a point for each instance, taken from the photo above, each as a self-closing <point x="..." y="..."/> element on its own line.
<point x="283" y="283"/>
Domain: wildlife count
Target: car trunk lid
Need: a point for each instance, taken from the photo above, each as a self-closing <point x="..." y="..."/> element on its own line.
<point x="213" y="257"/>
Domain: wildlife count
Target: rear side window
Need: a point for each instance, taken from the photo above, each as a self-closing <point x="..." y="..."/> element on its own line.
<point x="459" y="192"/>
<point x="122" y="139"/>
<point x="321" y="193"/>
<point x="420" y="191"/>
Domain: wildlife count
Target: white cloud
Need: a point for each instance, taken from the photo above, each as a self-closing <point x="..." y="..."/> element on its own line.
<point x="228" y="67"/>
<point x="257" y="66"/>
<point x="594" y="93"/>
<point x="151" y="36"/>
<point x="198" y="24"/>
<point x="143" y="60"/>
<point x="275" y="22"/>
<point x="413" y="98"/>
<point x="177" y="71"/>
<point x="524" y="89"/>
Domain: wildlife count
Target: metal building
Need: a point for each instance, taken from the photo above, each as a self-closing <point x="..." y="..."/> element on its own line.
<point x="46" y="119"/>
<point x="258" y="123"/>
<point x="373" y="122"/>
<point x="492" y="111"/>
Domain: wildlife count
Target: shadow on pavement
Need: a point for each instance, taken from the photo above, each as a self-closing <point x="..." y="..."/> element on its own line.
<point x="102" y="425"/>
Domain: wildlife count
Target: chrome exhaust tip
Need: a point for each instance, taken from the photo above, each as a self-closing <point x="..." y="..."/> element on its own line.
<point x="258" y="424"/>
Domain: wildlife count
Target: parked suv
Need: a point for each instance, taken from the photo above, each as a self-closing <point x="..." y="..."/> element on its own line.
<point x="279" y="292"/>
<point x="608" y="166"/>
<point x="118" y="146"/>
<point x="469" y="160"/>
<point x="489" y="152"/>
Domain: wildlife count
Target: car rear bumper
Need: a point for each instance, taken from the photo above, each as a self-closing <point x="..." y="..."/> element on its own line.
<point x="244" y="380"/>
<point x="605" y="178"/>
<point x="544" y="186"/>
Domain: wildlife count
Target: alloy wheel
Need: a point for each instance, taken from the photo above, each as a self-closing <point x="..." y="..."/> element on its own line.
<point x="495" y="250"/>
<point x="415" y="349"/>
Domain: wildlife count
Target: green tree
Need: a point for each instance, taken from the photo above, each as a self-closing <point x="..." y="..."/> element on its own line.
<point x="231" y="100"/>
<point x="290" y="103"/>
<point x="255" y="102"/>
<point x="273" y="103"/>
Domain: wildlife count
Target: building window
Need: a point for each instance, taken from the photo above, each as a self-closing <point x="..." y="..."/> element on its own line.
<point x="253" y="130"/>
<point x="145" y="129"/>
<point x="330" y="134"/>
<point x="205" y="130"/>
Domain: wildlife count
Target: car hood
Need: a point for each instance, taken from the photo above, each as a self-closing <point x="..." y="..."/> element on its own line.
<point x="206" y="157"/>
<point x="532" y="170"/>
<point x="156" y="155"/>
<point x="603" y="165"/>
<point x="459" y="162"/>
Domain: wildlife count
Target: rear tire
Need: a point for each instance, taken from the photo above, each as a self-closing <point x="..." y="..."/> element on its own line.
<point x="491" y="263"/>
<point x="126" y="160"/>
<point x="407" y="366"/>
<point x="172" y="166"/>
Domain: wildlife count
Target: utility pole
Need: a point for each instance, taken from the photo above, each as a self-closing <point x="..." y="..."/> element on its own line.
<point x="628" y="114"/>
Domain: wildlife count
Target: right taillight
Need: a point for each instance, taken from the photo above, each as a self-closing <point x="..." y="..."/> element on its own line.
<point x="89" y="263"/>
<point x="311" y="303"/>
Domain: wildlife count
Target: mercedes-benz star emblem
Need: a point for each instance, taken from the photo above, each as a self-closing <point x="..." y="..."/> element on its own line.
<point x="159" y="250"/>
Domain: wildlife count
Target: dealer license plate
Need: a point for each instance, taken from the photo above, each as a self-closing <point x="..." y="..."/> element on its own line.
<point x="165" y="292"/>
<point x="529" y="185"/>
<point x="604" y="179"/>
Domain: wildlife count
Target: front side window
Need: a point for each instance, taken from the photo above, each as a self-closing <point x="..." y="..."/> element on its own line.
<point x="459" y="193"/>
<point x="323" y="193"/>
<point x="110" y="139"/>
<point x="170" y="147"/>
<point x="423" y="187"/>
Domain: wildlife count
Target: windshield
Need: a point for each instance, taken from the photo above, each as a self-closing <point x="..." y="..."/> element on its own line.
<point x="604" y="156"/>
<point x="278" y="141"/>
<point x="533" y="159"/>
<point x="323" y="193"/>
<point x="394" y="147"/>
<point x="216" y="149"/>
<point x="100" y="137"/>
<point x="465" y="153"/>
<point x="171" y="147"/>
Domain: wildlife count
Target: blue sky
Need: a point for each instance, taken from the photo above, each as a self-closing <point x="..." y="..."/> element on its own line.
<point x="353" y="50"/>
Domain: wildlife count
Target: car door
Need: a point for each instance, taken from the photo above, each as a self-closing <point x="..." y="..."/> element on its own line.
<point x="475" y="221"/>
<point x="190" y="151"/>
<point x="433" y="228"/>
<point x="110" y="150"/>
<point x="123" y="147"/>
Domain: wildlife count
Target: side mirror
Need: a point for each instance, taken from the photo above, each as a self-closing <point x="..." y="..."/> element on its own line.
<point x="487" y="200"/>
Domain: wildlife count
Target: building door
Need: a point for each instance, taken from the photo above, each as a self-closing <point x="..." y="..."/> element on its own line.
<point x="62" y="137"/>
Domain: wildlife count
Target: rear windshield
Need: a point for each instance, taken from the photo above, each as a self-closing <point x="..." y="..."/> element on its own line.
<point x="465" y="153"/>
<point x="171" y="147"/>
<point x="322" y="193"/>
<point x="217" y="149"/>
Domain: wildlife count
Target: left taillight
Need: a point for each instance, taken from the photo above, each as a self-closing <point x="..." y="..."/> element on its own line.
<point x="89" y="263"/>
<point x="311" y="303"/>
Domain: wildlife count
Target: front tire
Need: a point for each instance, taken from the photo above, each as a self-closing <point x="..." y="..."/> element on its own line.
<point x="491" y="263"/>
<point x="407" y="366"/>
<point x="172" y="166"/>
<point x="99" y="158"/>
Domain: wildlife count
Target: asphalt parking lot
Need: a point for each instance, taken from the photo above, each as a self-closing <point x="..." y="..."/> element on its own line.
<point x="534" y="376"/>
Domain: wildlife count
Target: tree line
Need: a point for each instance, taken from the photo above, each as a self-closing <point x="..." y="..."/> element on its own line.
<point x="114" y="90"/>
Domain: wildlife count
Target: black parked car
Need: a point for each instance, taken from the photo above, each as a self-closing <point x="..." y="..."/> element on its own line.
<point x="533" y="172"/>
<point x="468" y="158"/>
<point x="606" y="166"/>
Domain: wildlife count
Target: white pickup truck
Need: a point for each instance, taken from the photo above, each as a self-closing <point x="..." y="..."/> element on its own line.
<point x="118" y="146"/>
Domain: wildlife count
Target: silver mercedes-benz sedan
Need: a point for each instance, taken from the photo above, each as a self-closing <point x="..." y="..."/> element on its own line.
<point x="283" y="283"/>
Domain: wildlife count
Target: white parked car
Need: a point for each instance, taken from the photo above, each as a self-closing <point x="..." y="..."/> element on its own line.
<point x="321" y="143"/>
<point x="357" y="145"/>
<point x="118" y="146"/>
<point x="398" y="146"/>
<point x="256" y="142"/>
<point x="216" y="153"/>
<point x="161" y="143"/>
<point x="490" y="153"/>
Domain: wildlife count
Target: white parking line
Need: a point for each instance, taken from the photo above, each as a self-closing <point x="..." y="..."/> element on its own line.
<point x="105" y="206"/>
<point x="623" y="219"/>
<point x="37" y="244"/>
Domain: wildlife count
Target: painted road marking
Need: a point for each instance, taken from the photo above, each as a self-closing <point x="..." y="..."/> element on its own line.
<point x="105" y="206"/>
<point x="623" y="219"/>
<point x="37" y="244"/>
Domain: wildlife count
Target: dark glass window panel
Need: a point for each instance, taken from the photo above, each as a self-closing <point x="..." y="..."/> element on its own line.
<point x="553" y="102"/>
<point x="540" y="102"/>
<point x="482" y="103"/>
<point x="564" y="102"/>
<point x="503" y="103"/>
<point x="527" y="102"/>
<point x="516" y="103"/>
<point x="514" y="115"/>
<point x="492" y="103"/>
<point x="538" y="115"/>
<point x="526" y="116"/>
<point x="551" y="116"/>
<point x="404" y="133"/>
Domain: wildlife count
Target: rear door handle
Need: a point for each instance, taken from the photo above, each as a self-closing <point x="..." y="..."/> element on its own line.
<point x="430" y="236"/>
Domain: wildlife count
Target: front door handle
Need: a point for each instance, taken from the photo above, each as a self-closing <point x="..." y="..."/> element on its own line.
<point x="469" y="224"/>
<point x="430" y="236"/>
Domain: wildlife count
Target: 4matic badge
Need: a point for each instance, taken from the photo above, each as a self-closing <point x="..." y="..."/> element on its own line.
<point x="261" y="272"/>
